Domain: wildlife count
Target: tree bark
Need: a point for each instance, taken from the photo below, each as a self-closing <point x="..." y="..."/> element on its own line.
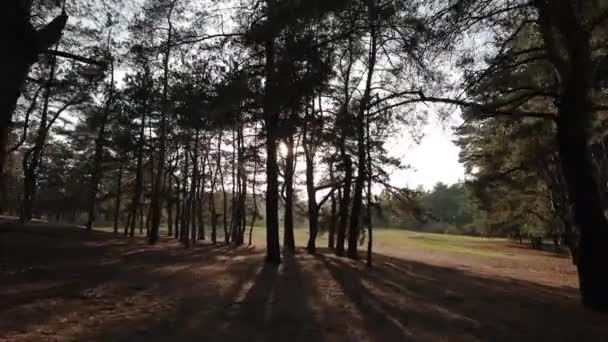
<point x="353" y="234"/>
<point x="273" y="248"/>
<point x="156" y="199"/>
<point x="97" y="172"/>
<point x="24" y="44"/>
<point x="193" y="186"/>
<point x="333" y="221"/>
<point x="118" y="197"/>
<point x="560" y="22"/>
<point x="289" y="243"/>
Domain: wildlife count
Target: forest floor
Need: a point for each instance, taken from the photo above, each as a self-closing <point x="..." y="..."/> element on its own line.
<point x="67" y="284"/>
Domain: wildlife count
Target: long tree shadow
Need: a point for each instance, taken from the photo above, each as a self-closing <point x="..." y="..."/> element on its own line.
<point x="277" y="307"/>
<point x="425" y="302"/>
<point x="78" y="274"/>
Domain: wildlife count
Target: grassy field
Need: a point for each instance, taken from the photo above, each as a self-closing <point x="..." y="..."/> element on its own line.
<point x="68" y="284"/>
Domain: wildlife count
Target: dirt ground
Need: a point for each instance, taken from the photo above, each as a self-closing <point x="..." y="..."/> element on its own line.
<point x="66" y="284"/>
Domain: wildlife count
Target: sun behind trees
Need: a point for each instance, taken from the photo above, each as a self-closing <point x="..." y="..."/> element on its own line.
<point x="166" y="116"/>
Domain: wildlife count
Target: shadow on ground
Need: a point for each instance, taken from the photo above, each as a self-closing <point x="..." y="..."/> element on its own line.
<point x="75" y="286"/>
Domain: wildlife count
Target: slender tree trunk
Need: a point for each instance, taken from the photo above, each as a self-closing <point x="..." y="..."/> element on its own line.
<point x="333" y="221"/>
<point x="193" y="186"/>
<point x="118" y="196"/>
<point x="137" y="201"/>
<point x="253" y="192"/>
<point x="344" y="202"/>
<point x="273" y="248"/>
<point x="224" y="197"/>
<point x="156" y="200"/>
<point x="242" y="177"/>
<point x="212" y="209"/>
<point x="370" y="228"/>
<point x="353" y="234"/>
<point x="170" y="207"/>
<point x="178" y="208"/>
<point x="97" y="174"/>
<point x="186" y="206"/>
<point x="313" y="208"/>
<point x="201" y="195"/>
<point x="288" y="236"/>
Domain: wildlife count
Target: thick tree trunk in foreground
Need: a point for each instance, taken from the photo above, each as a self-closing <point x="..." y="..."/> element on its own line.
<point x="583" y="190"/>
<point x="563" y="27"/>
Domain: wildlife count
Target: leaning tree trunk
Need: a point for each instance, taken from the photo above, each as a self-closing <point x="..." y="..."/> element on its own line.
<point x="23" y="44"/>
<point x="33" y="156"/>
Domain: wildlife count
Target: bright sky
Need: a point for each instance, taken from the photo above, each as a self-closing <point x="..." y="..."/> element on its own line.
<point x="434" y="160"/>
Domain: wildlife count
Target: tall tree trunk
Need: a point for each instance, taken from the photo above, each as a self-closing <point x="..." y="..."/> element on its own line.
<point x="561" y="23"/>
<point x="137" y="201"/>
<point x="344" y="201"/>
<point x="353" y="234"/>
<point x="178" y="208"/>
<point x="235" y="180"/>
<point x="242" y="176"/>
<point x="212" y="197"/>
<point x="273" y="248"/>
<point x="313" y="208"/>
<point x="186" y="205"/>
<point x="170" y="201"/>
<point x="370" y="228"/>
<point x="201" y="194"/>
<point x="156" y="199"/>
<point x="288" y="236"/>
<point x="253" y="185"/>
<point x="224" y="194"/>
<point x="193" y="186"/>
<point x="333" y="221"/>
<point x="97" y="172"/>
<point x="118" y="196"/>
